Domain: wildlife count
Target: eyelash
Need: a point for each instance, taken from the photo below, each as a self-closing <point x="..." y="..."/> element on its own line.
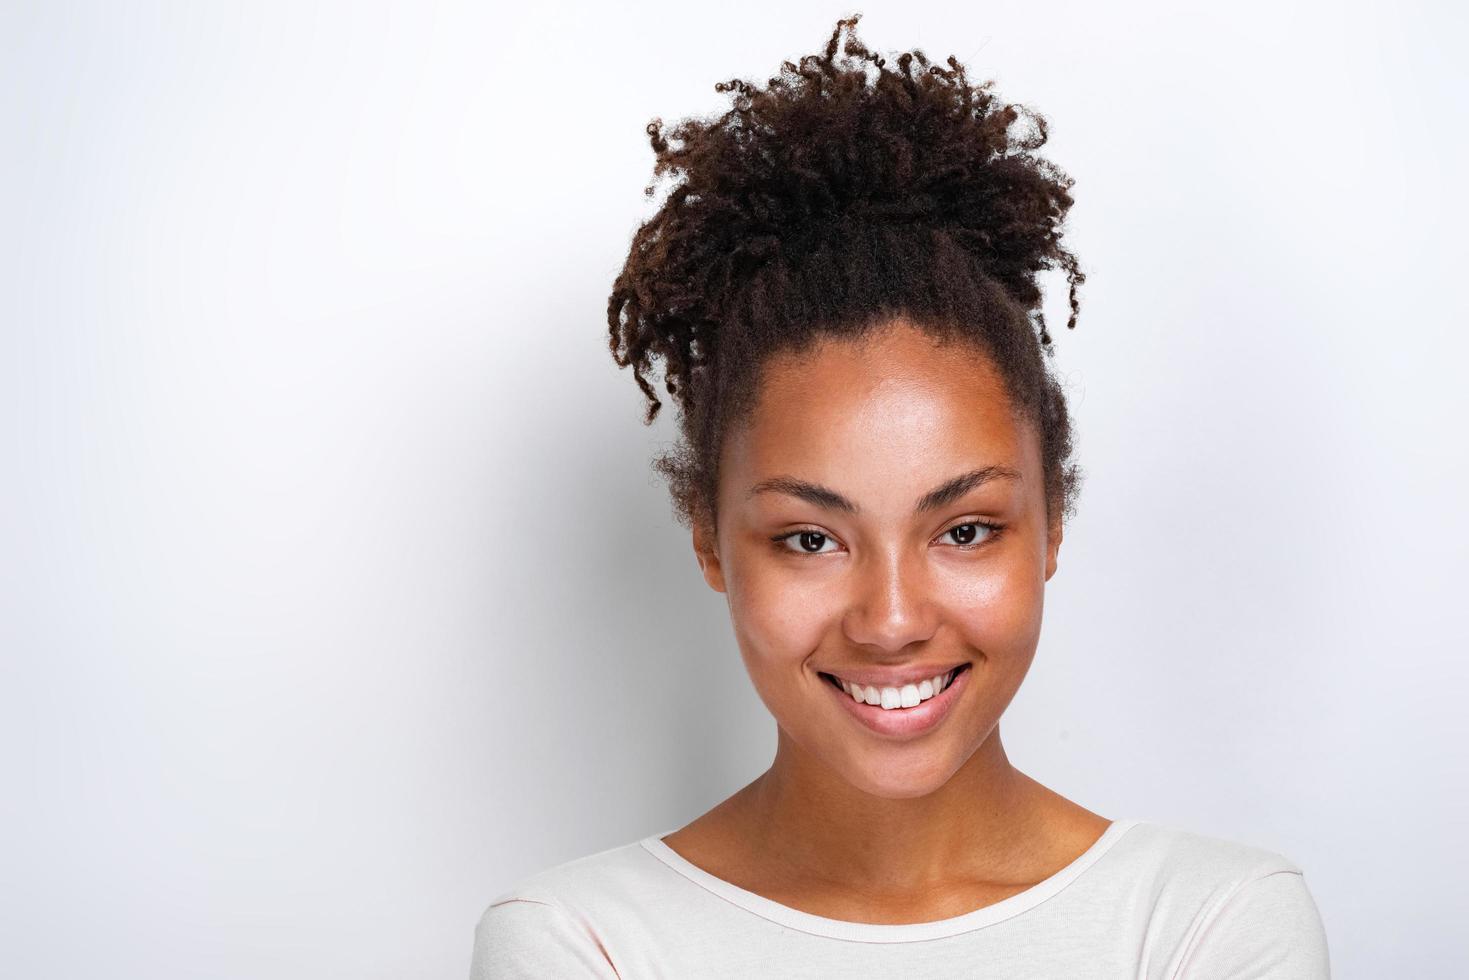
<point x="779" y="540"/>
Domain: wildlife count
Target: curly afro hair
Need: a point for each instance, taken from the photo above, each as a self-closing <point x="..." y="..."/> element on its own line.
<point x="830" y="203"/>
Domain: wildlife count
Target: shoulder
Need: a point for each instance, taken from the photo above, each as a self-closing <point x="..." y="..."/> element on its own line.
<point x="519" y="938"/>
<point x="1244" y="910"/>
<point x="1267" y="927"/>
<point x="1177" y="853"/>
<point x="554" y="922"/>
<point x="585" y="879"/>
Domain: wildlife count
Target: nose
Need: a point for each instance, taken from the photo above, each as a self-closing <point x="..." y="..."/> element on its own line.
<point x="891" y="603"/>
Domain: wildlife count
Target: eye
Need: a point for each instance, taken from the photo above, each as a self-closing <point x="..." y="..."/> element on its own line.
<point x="965" y="535"/>
<point x="806" y="542"/>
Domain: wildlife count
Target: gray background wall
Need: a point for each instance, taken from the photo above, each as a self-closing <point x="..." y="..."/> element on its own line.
<point x="337" y="593"/>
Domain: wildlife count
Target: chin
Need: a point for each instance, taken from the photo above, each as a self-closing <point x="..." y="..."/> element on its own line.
<point x="898" y="779"/>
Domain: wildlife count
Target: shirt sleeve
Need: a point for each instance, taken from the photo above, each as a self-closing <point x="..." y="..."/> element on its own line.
<point x="1270" y="929"/>
<point x="520" y="939"/>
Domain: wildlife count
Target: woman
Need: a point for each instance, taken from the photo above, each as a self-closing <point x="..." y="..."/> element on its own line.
<point x="875" y="466"/>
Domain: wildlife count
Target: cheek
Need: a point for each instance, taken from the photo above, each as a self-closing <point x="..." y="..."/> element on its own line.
<point x="782" y="615"/>
<point x="996" y="609"/>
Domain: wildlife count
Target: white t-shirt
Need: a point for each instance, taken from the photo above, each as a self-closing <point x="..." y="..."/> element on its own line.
<point x="1145" y="901"/>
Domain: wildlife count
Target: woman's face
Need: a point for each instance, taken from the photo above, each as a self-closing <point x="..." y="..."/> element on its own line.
<point x="852" y="541"/>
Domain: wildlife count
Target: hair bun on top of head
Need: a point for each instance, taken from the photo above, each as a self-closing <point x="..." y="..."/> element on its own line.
<point x="843" y="191"/>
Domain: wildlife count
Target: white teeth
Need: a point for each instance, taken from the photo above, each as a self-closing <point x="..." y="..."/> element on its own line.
<point x="894" y="697"/>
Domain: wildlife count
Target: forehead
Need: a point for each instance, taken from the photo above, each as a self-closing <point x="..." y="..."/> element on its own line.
<point x="895" y="405"/>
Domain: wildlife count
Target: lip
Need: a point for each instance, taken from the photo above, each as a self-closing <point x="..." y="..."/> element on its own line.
<point x="903" y="723"/>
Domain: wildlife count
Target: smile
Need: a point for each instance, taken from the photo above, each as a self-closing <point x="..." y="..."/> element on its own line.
<point x="891" y="698"/>
<point x="912" y="711"/>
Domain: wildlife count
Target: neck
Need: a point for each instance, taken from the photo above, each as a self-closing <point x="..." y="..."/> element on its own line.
<point x="814" y="823"/>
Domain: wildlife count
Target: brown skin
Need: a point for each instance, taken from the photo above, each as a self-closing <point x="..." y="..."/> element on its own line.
<point x="847" y="824"/>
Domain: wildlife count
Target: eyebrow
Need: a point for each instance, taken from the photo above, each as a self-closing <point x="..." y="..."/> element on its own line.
<point x="945" y="493"/>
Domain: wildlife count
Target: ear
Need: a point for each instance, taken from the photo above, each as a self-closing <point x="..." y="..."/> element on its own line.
<point x="706" y="550"/>
<point x="1053" y="545"/>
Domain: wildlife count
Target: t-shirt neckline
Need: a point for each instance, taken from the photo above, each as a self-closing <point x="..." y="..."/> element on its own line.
<point x="888" y="933"/>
